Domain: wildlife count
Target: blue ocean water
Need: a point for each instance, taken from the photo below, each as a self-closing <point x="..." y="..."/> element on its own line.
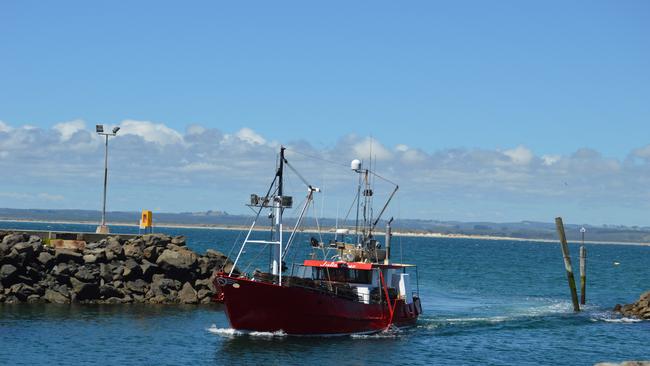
<point x="485" y="303"/>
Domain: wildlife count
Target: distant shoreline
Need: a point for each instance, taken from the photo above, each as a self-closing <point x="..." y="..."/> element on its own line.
<point x="329" y="230"/>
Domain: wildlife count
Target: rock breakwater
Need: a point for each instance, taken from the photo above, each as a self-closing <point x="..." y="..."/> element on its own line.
<point x="152" y="268"/>
<point x="639" y="309"/>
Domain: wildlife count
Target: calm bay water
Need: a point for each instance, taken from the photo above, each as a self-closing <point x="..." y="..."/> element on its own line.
<point x="485" y="302"/>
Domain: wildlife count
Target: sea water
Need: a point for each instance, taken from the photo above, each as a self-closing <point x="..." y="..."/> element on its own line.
<point x="486" y="302"/>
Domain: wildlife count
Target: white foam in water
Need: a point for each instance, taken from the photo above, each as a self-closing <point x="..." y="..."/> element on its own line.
<point x="493" y="319"/>
<point x="523" y="311"/>
<point x="608" y="317"/>
<point x="392" y="332"/>
<point x="620" y="320"/>
<point x="230" y="332"/>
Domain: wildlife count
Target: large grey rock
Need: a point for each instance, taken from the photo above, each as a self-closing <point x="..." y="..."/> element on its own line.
<point x="106" y="272"/>
<point x="7" y="273"/>
<point x="159" y="240"/>
<point x="133" y="250"/>
<point x="108" y="291"/>
<point x="177" y="264"/>
<point x="111" y="256"/>
<point x="11" y="299"/>
<point x="62" y="271"/>
<point x="90" y="258"/>
<point x="114" y="300"/>
<point x="207" y="283"/>
<point x="30" y="275"/>
<point x="174" y="247"/>
<point x="162" y="286"/>
<point x="21" y="291"/>
<point x="96" y="245"/>
<point x="34" y="299"/>
<point x="150" y="253"/>
<point x="203" y="293"/>
<point x="65" y="255"/>
<point x="11" y="239"/>
<point x="114" y="249"/>
<point x="113" y="242"/>
<point x="55" y="297"/>
<point x="118" y="270"/>
<point x="87" y="274"/>
<point x="178" y="240"/>
<point x="24" y="248"/>
<point x="18" y="259"/>
<point x="132" y="270"/>
<point x="148" y="269"/>
<point x="83" y="290"/>
<point x="45" y="259"/>
<point x="36" y="243"/>
<point x="211" y="253"/>
<point x="188" y="295"/>
<point x="137" y="287"/>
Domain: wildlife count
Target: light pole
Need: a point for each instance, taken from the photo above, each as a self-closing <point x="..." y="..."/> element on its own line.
<point x="102" y="228"/>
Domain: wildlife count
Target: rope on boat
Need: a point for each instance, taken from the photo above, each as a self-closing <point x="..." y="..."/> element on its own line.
<point x="391" y="309"/>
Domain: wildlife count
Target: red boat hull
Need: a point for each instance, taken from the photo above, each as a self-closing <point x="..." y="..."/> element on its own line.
<point x="266" y="307"/>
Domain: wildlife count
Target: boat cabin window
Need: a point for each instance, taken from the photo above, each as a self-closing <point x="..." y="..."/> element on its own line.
<point x="343" y="275"/>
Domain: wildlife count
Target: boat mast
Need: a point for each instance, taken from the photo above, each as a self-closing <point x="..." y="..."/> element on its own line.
<point x="276" y="264"/>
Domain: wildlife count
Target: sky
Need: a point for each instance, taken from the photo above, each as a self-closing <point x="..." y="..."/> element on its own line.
<point x="495" y="111"/>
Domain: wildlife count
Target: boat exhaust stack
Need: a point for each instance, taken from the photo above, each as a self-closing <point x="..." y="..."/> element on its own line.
<point x="389" y="234"/>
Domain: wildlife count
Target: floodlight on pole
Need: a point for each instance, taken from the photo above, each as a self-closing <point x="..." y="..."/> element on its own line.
<point x="102" y="228"/>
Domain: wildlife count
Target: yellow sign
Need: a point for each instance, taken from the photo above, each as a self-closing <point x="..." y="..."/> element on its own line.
<point x="146" y="220"/>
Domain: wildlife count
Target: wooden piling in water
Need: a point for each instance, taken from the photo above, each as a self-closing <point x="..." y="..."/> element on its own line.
<point x="583" y="274"/>
<point x="567" y="263"/>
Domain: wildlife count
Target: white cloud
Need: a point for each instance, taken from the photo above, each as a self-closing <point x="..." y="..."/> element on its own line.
<point x="549" y="160"/>
<point x="413" y="156"/>
<point x="5" y="127"/>
<point x="195" y="129"/>
<point x="642" y="152"/>
<point x="520" y="155"/>
<point x="199" y="167"/>
<point x="401" y="147"/>
<point x="152" y="157"/>
<point x="43" y="196"/>
<point x="67" y="129"/>
<point x="156" y="133"/>
<point x="372" y="148"/>
<point x="250" y="136"/>
<point x="51" y="197"/>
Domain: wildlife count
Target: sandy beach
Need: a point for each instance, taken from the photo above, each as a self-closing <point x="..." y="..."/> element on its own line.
<point x="331" y="230"/>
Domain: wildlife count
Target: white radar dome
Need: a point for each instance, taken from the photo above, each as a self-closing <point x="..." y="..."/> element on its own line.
<point x="355" y="164"/>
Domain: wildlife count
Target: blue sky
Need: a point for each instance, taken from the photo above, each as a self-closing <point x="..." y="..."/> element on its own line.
<point x="531" y="82"/>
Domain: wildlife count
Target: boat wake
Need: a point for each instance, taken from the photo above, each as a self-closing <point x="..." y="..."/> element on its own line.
<point x="392" y="332"/>
<point x="530" y="313"/>
<point x="511" y="313"/>
<point x="232" y="333"/>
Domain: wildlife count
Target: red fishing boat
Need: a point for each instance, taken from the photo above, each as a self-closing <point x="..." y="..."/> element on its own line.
<point x="357" y="290"/>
